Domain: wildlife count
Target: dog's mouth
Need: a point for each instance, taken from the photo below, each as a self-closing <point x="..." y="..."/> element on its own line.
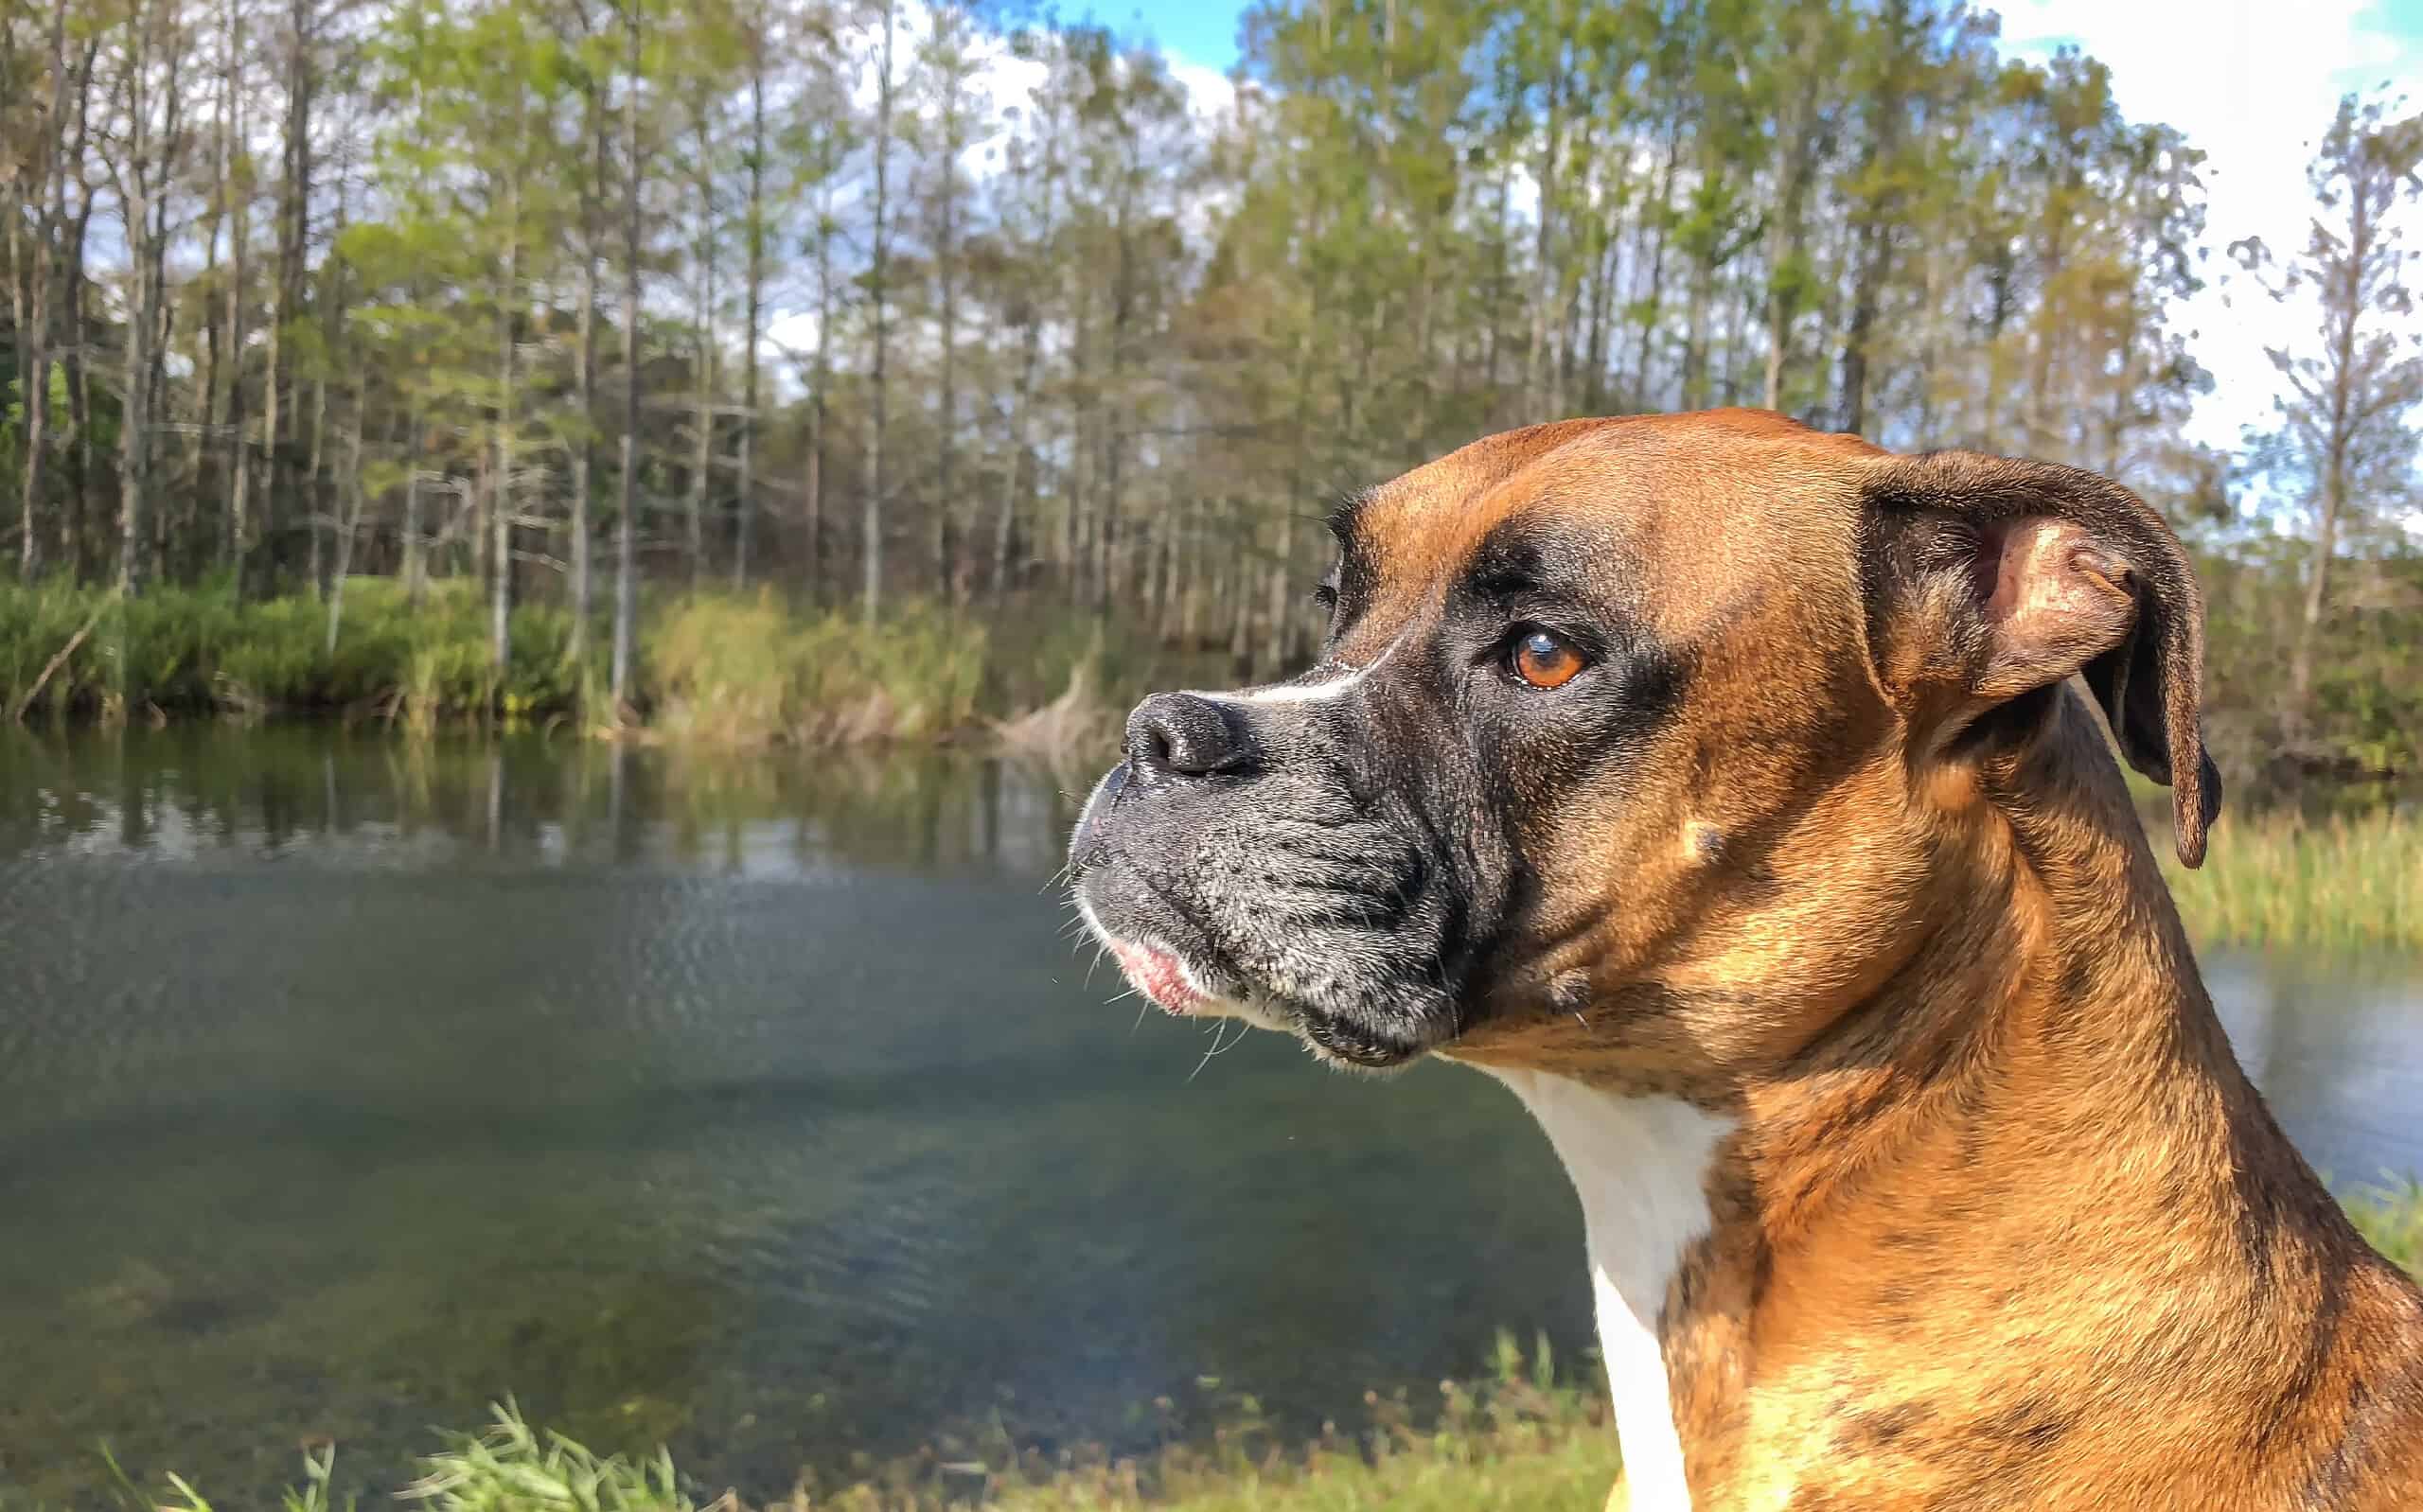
<point x="1189" y="984"/>
<point x="1280" y="907"/>
<point x="1162" y="976"/>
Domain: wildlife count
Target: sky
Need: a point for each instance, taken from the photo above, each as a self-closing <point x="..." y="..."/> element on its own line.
<point x="2254" y="84"/>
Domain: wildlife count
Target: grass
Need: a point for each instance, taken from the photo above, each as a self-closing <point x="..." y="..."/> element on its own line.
<point x="201" y="650"/>
<point x="1522" y="1439"/>
<point x="731" y="669"/>
<point x="2281" y="880"/>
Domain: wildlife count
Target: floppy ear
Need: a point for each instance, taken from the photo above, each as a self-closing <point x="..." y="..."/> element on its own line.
<point x="1989" y="580"/>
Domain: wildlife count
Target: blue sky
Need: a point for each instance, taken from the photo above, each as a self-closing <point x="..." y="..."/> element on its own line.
<point x="1202" y="33"/>
<point x="2253" y="82"/>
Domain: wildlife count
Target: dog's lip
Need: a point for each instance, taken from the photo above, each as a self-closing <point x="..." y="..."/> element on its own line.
<point x="1160" y="975"/>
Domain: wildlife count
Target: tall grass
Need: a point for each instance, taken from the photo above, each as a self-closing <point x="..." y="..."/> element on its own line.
<point x="2281" y="879"/>
<point x="737" y="670"/>
<point x="1520" y="1440"/>
<point x="715" y="669"/>
<point x="201" y="650"/>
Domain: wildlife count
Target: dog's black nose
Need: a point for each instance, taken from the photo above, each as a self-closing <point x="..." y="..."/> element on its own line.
<point x="1180" y="735"/>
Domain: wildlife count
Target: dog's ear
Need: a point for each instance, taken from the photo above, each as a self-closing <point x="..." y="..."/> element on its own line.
<point x="1989" y="580"/>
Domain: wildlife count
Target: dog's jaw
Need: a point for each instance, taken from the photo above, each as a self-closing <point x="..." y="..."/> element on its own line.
<point x="1639" y="1165"/>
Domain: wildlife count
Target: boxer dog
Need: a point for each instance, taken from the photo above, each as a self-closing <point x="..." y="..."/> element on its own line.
<point x="1726" y="789"/>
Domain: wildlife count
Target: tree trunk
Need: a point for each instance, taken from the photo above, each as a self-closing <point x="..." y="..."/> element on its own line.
<point x="135" y="417"/>
<point x="414" y="564"/>
<point x="1654" y="302"/>
<point x="235" y="538"/>
<point x="744" y="505"/>
<point x="878" y="269"/>
<point x="625" y="542"/>
<point x="2345" y="305"/>
<point x="500" y="493"/>
<point x="584" y="449"/>
<point x="349" y="522"/>
<point x="947" y="268"/>
<point x="813" y="506"/>
<point x="1543" y="297"/>
<point x="35" y="328"/>
<point x="1874" y="238"/>
<point x="703" y="375"/>
<point x="1030" y="354"/>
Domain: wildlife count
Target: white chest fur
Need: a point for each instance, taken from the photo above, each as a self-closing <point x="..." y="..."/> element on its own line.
<point x="1638" y="1164"/>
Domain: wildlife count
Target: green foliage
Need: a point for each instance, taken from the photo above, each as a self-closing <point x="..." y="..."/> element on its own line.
<point x="513" y="1466"/>
<point x="2282" y="880"/>
<point x="719" y="669"/>
<point x="2392" y="1220"/>
<point x="732" y="669"/>
<point x="1521" y="1439"/>
<point x="198" y="650"/>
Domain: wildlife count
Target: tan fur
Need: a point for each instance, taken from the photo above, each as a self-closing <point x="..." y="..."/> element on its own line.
<point x="2003" y="1225"/>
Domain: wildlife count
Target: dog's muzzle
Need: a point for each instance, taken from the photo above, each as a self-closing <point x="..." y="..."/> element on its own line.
<point x="1233" y="868"/>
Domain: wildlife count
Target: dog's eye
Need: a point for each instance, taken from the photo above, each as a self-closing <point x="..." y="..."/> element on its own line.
<point x="1546" y="661"/>
<point x="1325" y="593"/>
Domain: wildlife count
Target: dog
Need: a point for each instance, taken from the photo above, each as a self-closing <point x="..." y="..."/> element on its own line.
<point x="1729" y="791"/>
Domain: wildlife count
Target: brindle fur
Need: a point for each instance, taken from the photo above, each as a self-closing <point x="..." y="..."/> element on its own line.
<point x="2003" y="1225"/>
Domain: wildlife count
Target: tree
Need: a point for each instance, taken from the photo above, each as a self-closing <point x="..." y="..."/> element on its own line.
<point x="879" y="269"/>
<point x="2347" y="439"/>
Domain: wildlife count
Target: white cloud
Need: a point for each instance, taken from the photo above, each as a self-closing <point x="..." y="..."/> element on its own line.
<point x="2254" y="84"/>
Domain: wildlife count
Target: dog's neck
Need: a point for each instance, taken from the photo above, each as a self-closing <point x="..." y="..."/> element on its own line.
<point x="1965" y="1227"/>
<point x="1640" y="1166"/>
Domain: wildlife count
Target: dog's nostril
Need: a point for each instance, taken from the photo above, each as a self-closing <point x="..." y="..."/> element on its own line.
<point x="1182" y="734"/>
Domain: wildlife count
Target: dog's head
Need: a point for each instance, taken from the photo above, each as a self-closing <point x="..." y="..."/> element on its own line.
<point x="1642" y="735"/>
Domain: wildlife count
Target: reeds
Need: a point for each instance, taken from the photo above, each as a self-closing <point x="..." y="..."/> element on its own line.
<point x="2282" y="881"/>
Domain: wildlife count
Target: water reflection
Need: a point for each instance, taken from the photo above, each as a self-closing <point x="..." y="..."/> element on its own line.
<point x="203" y="793"/>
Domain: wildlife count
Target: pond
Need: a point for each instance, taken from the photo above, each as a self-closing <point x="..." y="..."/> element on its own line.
<point x="767" y="1108"/>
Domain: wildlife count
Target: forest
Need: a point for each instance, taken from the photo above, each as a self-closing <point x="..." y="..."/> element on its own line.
<point x="540" y="352"/>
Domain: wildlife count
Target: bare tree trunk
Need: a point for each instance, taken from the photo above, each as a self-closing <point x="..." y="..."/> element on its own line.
<point x="1786" y="236"/>
<point x="69" y="279"/>
<point x="947" y="270"/>
<point x="625" y="542"/>
<point x="500" y="493"/>
<point x="349" y="523"/>
<point x="1874" y="239"/>
<point x="1543" y="297"/>
<point x="703" y="375"/>
<point x="813" y="507"/>
<point x="745" y="507"/>
<point x="134" y="188"/>
<point x="35" y="328"/>
<point x="1652" y="305"/>
<point x="584" y="450"/>
<point x="878" y="269"/>
<point x="293" y="231"/>
<point x="414" y="551"/>
<point x="1029" y="356"/>
<point x="2344" y="305"/>
<point x="236" y="541"/>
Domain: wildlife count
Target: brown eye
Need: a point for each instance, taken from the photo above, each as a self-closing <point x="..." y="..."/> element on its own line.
<point x="1545" y="661"/>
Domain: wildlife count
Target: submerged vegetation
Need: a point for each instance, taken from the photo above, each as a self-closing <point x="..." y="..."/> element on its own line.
<point x="1524" y="1438"/>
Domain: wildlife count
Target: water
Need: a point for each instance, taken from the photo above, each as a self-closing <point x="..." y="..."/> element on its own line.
<point x="761" y="1107"/>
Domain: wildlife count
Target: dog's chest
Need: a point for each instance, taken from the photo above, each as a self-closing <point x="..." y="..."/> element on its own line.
<point x="1639" y="1165"/>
